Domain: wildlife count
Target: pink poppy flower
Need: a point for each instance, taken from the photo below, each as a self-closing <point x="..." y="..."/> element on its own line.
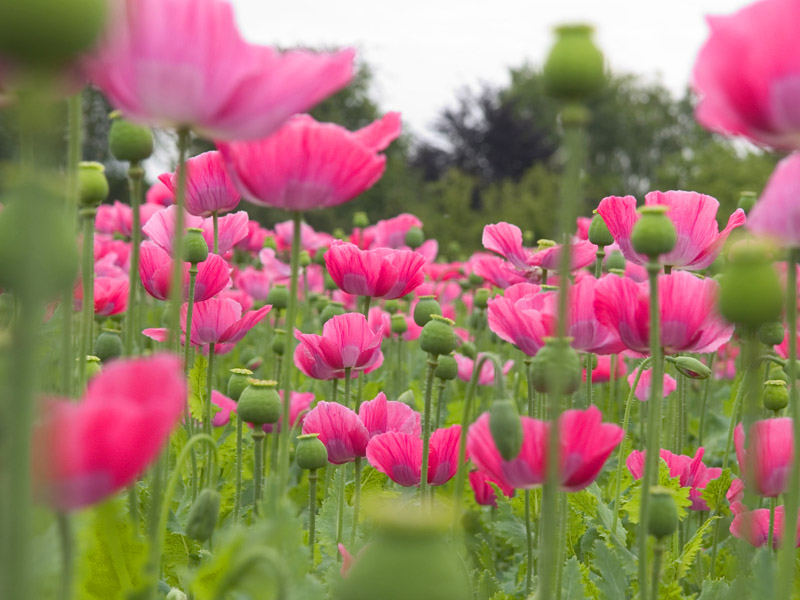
<point x="587" y="332"/>
<point x="689" y="321"/>
<point x="347" y="342"/>
<point x="642" y="391"/>
<point x="159" y="194"/>
<point x="380" y="415"/>
<point x="183" y="63"/>
<point x="307" y="165"/>
<point x="253" y="242"/>
<point x="486" y="376"/>
<point x="777" y="214"/>
<point x="340" y="429"/>
<point x="523" y="316"/>
<point x="746" y="74"/>
<point x="118" y="217"/>
<point x="110" y="296"/>
<point x="86" y="451"/>
<point x="298" y="407"/>
<point x="226" y="406"/>
<point x="753" y="525"/>
<point x="602" y="372"/>
<point x="691" y="471"/>
<point x="399" y="456"/>
<point x="772" y="444"/>
<point x="256" y="282"/>
<point x="494" y="270"/>
<point x="310" y="240"/>
<point x="105" y="245"/>
<point x="694" y="215"/>
<point x="484" y="493"/>
<point x="209" y="190"/>
<point x="232" y="228"/>
<point x="155" y="271"/>
<point x="586" y="443"/>
<point x="583" y="253"/>
<point x="391" y="233"/>
<point x="379" y="273"/>
<point x="380" y="321"/>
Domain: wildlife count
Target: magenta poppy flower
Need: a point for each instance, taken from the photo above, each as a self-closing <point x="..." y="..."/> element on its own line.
<point x="253" y="242"/>
<point x="340" y="429"/>
<point x="694" y="215"/>
<point x="747" y="71"/>
<point x="110" y="296"/>
<point x="753" y="525"/>
<point x="391" y="233"/>
<point x="256" y="282"/>
<point x="380" y="415"/>
<point x="777" y="214"/>
<point x="602" y="372"/>
<point x="307" y="165"/>
<point x="183" y="63"/>
<point x="85" y="451"/>
<point x="586" y="443"/>
<point x="118" y="217"/>
<point x="399" y="456"/>
<point x="159" y="195"/>
<point x="232" y="228"/>
<point x="209" y="189"/>
<point x="484" y="493"/>
<point x="772" y="443"/>
<point x="347" y="342"/>
<point x="691" y="471"/>
<point x="587" y="332"/>
<point x="155" y="271"/>
<point x="523" y="316"/>
<point x="226" y="406"/>
<point x="486" y="377"/>
<point x="642" y="391"/>
<point x="298" y="407"/>
<point x="689" y="321"/>
<point x="378" y="273"/>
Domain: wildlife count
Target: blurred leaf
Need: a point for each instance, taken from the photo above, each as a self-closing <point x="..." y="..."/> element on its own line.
<point x="714" y="493"/>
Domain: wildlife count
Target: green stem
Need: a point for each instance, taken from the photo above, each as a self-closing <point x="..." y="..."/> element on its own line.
<point x="291" y="317"/>
<point x="66" y="541"/>
<point x="258" y="467"/>
<point x="653" y="420"/>
<point x="87" y="276"/>
<point x="589" y="362"/>
<point x="426" y="424"/>
<point x="528" y="544"/>
<point x="598" y="265"/>
<point x="658" y="554"/>
<point x="348" y="382"/>
<point x="187" y="344"/>
<point x="176" y="287"/>
<point x="312" y="511"/>
<point x="356" y="500"/>
<point x="238" y="500"/>
<point x="786" y="556"/>
<point x="441" y="384"/>
<point x="215" y="221"/>
<point x="340" y="504"/>
<point x="132" y="329"/>
<point x="704" y="403"/>
<point x="208" y="413"/>
<point x="772" y="503"/>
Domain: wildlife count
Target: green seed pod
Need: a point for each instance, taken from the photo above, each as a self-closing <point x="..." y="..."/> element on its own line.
<point x="93" y="366"/>
<point x="775" y="395"/>
<point x="506" y="428"/>
<point x="750" y="291"/>
<point x="556" y="359"/>
<point x="279" y="342"/>
<point x="662" y="517"/>
<point x="410" y="557"/>
<point x="92" y="184"/>
<point x="392" y="306"/>
<point x="482" y="297"/>
<point x="691" y="367"/>
<point x="360" y="219"/>
<point x="176" y="594"/>
<point x="747" y="200"/>
<point x="129" y="142"/>
<point x="278" y="297"/>
<point x="305" y="258"/>
<point x="237" y="382"/>
<point x="260" y="403"/>
<point x="426" y="307"/>
<point x="599" y="233"/>
<point x="574" y="68"/>
<point x="777" y="372"/>
<point x="414" y="237"/>
<point x="108" y="345"/>
<point x="615" y="260"/>
<point x="399" y="324"/>
<point x="771" y="334"/>
<point x="195" y="247"/>
<point x="331" y="310"/>
<point x="469" y="350"/>
<point x="203" y="515"/>
<point x="438" y="336"/>
<point x="447" y="368"/>
<point x="310" y="452"/>
<point x="654" y="234"/>
<point x="49" y="33"/>
<point x="269" y="242"/>
<point x="475" y="280"/>
<point x="339" y="234"/>
<point x="330" y="284"/>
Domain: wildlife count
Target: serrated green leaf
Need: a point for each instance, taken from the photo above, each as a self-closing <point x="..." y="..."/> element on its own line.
<point x="690" y="550"/>
<point x="197" y="387"/>
<point x="714" y="493"/>
<point x="611" y="580"/>
<point x="632" y="505"/>
<point x="572" y="588"/>
<point x="715" y="590"/>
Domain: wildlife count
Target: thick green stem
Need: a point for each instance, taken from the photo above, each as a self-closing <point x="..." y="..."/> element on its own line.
<point x="187" y="344"/>
<point x="215" y="221"/>
<point x="658" y="555"/>
<point x="176" y="286"/>
<point x="786" y="556"/>
<point x="653" y="420"/>
<point x="238" y="500"/>
<point x="426" y="424"/>
<point x="531" y="390"/>
<point x="87" y="277"/>
<point x="528" y="544"/>
<point x="132" y="329"/>
<point x="258" y="467"/>
<point x="66" y="542"/>
<point x="441" y="385"/>
<point x="356" y="500"/>
<point x="340" y="504"/>
<point x="772" y="504"/>
<point x="286" y="383"/>
<point x="312" y="511"/>
<point x="589" y="362"/>
<point x="207" y="418"/>
<point x="704" y="403"/>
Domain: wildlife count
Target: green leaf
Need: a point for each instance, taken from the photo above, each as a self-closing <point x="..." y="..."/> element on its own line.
<point x="197" y="387"/>
<point x="572" y="586"/>
<point x="714" y="493"/>
<point x="610" y="577"/>
<point x="715" y="590"/>
<point x="690" y="550"/>
<point x="681" y="495"/>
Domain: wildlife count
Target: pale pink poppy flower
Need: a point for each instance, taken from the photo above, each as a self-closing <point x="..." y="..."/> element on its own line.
<point x="107" y="267"/>
<point x="105" y="245"/>
<point x="694" y="215"/>
<point x="777" y="214"/>
<point x="753" y="525"/>
<point x="209" y="190"/>
<point x="340" y="429"/>
<point x="746" y="74"/>
<point x="642" y="391"/>
<point x="85" y="451"/>
<point x="347" y="342"/>
<point x="487" y="374"/>
<point x="772" y="442"/>
<point x="277" y="269"/>
<point x="310" y="239"/>
<point x="523" y="316"/>
<point x="398" y="455"/>
<point x="494" y="270"/>
<point x="378" y="273"/>
<point x="307" y="165"/>
<point x="232" y="228"/>
<point x="380" y="320"/>
<point x="155" y="271"/>
<point x="256" y="282"/>
<point x="689" y="320"/>
<point x="239" y="296"/>
<point x="183" y="63"/>
<point x="583" y="254"/>
<point x="691" y="471"/>
<point x="380" y="415"/>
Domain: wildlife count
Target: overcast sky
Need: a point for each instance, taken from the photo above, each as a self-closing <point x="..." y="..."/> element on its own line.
<point x="423" y="51"/>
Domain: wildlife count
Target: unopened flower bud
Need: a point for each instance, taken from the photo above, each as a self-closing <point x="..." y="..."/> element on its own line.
<point x="691" y="367"/>
<point x="599" y="233"/>
<point x="438" y="336"/>
<point x="481" y="297"/>
<point x="475" y="280"/>
<point x="339" y="234"/>
<point x="654" y="233"/>
<point x="237" y="382"/>
<point x="506" y="428"/>
<point x="771" y="333"/>
<point x="195" y="247"/>
<point x="414" y="237"/>
<point x="556" y="366"/>
<point x="408" y="398"/>
<point x="310" y="453"/>
<point x="279" y="342"/>
<point x="574" y="68"/>
<point x="615" y="260"/>
<point x="260" y="403"/>
<point x="447" y="368"/>
<point x="391" y="306"/>
<point x="747" y="200"/>
<point x="93" y="366"/>
<point x="278" y="297"/>
<point x="108" y="345"/>
<point x="469" y="350"/>
<point x="329" y="283"/>
<point x="269" y="242"/>
<point x="775" y="395"/>
<point x="129" y="142"/>
<point x="360" y="219"/>
<point x="426" y="307"/>
<point x="92" y="184"/>
<point x="305" y="258"/>
<point x="331" y="310"/>
<point x="254" y="362"/>
<point x="662" y="517"/>
<point x="203" y="515"/>
<point x="399" y="324"/>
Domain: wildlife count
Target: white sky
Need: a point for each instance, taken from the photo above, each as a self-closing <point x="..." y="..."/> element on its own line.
<point x="423" y="51"/>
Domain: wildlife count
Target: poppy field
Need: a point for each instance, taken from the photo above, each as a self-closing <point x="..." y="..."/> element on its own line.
<point x="201" y="402"/>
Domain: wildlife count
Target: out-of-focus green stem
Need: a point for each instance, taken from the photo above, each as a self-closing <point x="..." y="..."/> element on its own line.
<point x="312" y="511"/>
<point x="426" y="424"/>
<point x="356" y="499"/>
<point x="704" y="403"/>
<point x="176" y="287"/>
<point x="215" y="221"/>
<point x="132" y="329"/>
<point x="187" y="343"/>
<point x="87" y="277"/>
<point x="65" y="541"/>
